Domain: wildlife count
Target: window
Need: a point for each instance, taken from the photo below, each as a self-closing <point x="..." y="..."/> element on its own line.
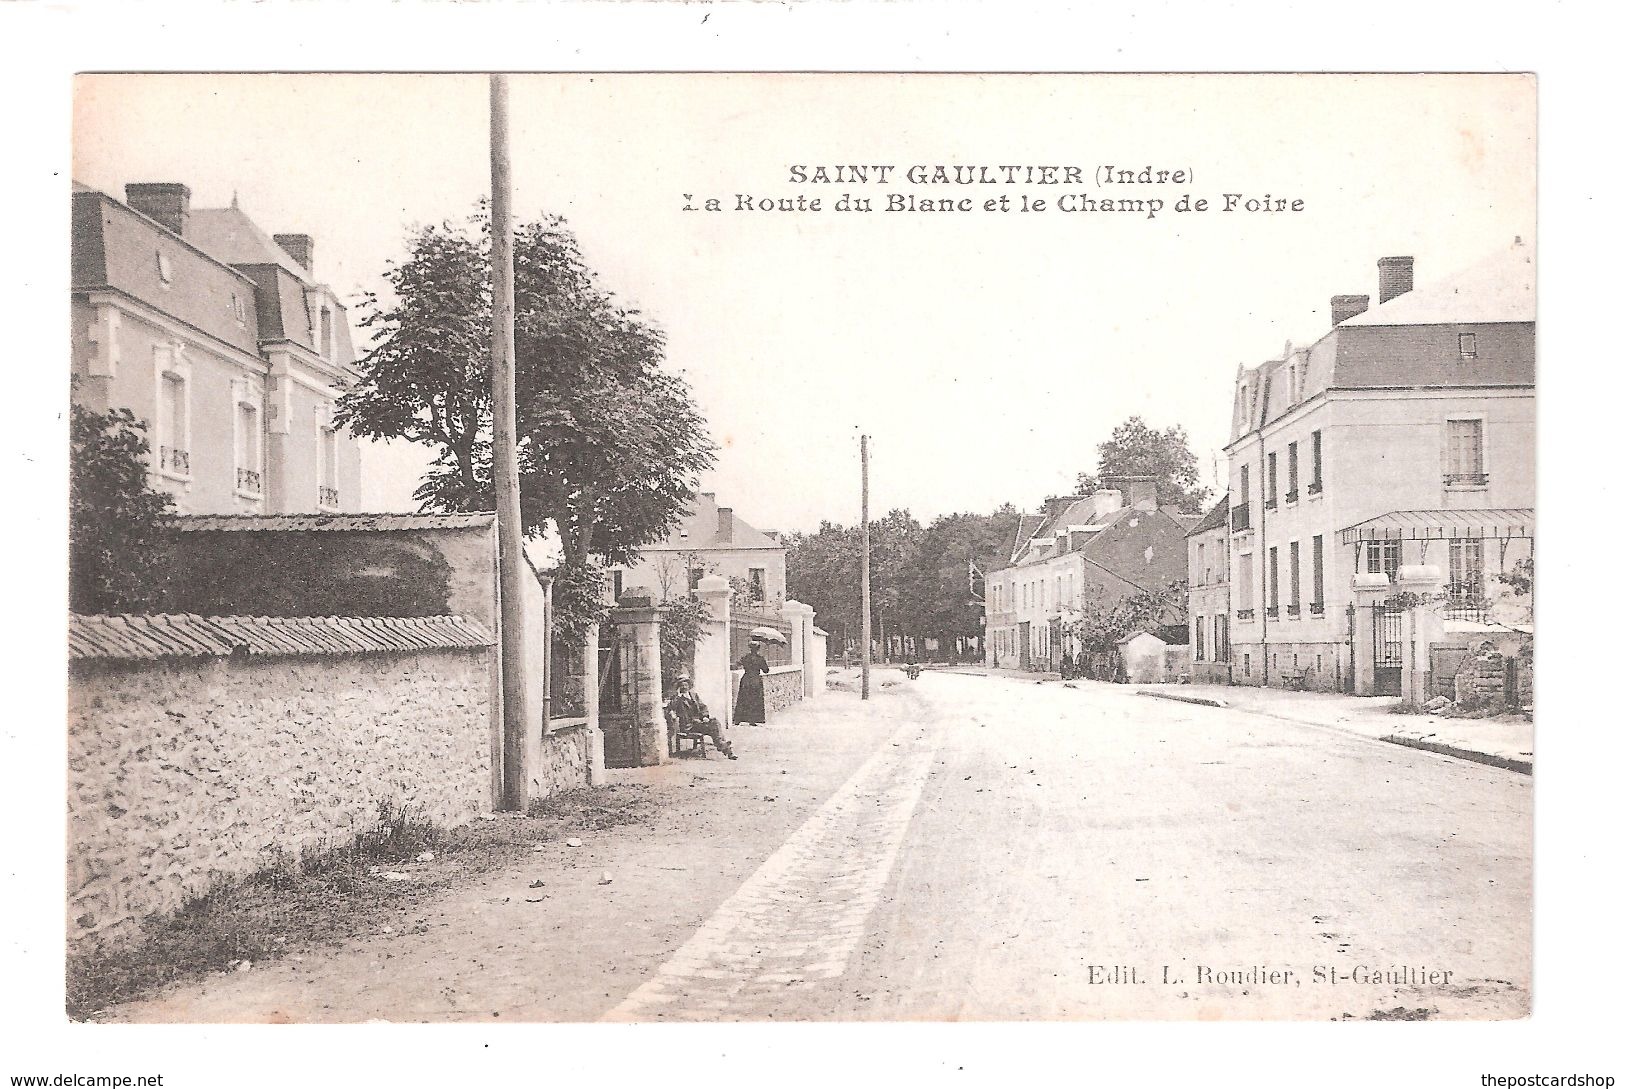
<point x="1383" y="556"/>
<point x="1291" y="472"/>
<point x="1244" y="593"/>
<point x="1467" y="344"/>
<point x="1201" y="564"/>
<point x="1221" y="638"/>
<point x="174" y="417"/>
<point x="248" y="446"/>
<point x="1274" y="585"/>
<point x="327" y="459"/>
<point x="1317" y="552"/>
<point x="1201" y="622"/>
<point x="1314" y="463"/>
<point x="166" y="273"/>
<point x="1246" y="492"/>
<point x="614" y="580"/>
<point x="327" y="332"/>
<point x="1466" y="571"/>
<point x="1464" y="453"/>
<point x="1270" y="482"/>
<point x="1295" y="605"/>
<point x="1246" y="665"/>
<point x="758" y="584"/>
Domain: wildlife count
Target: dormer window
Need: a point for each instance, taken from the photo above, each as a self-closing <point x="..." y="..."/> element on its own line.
<point x="166" y="272"/>
<point x="1467" y="344"/>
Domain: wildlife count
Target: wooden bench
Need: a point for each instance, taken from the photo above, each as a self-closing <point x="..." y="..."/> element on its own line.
<point x="1296" y="679"/>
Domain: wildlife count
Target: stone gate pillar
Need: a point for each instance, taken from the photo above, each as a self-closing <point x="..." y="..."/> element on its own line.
<point x="1424" y="625"/>
<point x="713" y="658"/>
<point x="800" y="618"/>
<point x="1370" y="589"/>
<point x="589" y="703"/>
<point x="640" y="627"/>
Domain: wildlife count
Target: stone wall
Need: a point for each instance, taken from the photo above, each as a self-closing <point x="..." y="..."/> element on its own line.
<point x="781" y="688"/>
<point x="559" y="758"/>
<point x="183" y="773"/>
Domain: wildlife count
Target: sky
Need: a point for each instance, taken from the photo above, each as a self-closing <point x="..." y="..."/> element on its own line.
<point x="986" y="353"/>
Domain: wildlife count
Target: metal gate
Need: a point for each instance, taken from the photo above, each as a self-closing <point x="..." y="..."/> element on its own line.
<point x="1388" y="648"/>
<point x="618" y="694"/>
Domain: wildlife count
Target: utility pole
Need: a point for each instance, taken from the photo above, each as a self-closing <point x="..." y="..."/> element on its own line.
<point x="505" y="459"/>
<point x="863" y="446"/>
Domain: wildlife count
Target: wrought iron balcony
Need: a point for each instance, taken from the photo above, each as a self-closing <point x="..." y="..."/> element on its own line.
<point x="1292" y="496"/>
<point x="327" y="497"/>
<point x="174" y="461"/>
<point x="1315" y="487"/>
<point x="1466" y="602"/>
<point x="1270" y="504"/>
<point x="248" y="480"/>
<point x="1244" y="614"/>
<point x="1273" y="611"/>
<point x="1294" y="611"/>
<point x="1466" y="480"/>
<point x="1241" y="518"/>
<point x="1317" y="608"/>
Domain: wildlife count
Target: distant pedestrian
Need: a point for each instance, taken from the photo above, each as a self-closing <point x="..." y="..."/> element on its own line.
<point x="751" y="706"/>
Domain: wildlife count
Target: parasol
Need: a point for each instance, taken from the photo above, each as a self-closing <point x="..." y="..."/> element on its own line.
<point x="768" y="635"/>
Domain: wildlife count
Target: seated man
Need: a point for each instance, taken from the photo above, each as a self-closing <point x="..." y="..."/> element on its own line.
<point x="691" y="716"/>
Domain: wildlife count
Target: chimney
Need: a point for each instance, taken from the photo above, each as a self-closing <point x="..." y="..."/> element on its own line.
<point x="1139" y="491"/>
<point x="1345" y="307"/>
<point x="299" y="247"/>
<point x="1395" y="276"/>
<point x="725" y="524"/>
<point x="166" y="203"/>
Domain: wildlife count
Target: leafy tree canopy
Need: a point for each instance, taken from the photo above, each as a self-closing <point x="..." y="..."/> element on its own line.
<point x="610" y="444"/>
<point x="1137" y="449"/>
<point x="117" y="544"/>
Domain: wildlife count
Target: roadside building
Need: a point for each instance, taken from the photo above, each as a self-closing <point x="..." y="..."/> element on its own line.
<point x="708" y="540"/>
<point x="1082" y="551"/>
<point x="1208" y="549"/>
<point x="223" y="341"/>
<point x="1401" y="440"/>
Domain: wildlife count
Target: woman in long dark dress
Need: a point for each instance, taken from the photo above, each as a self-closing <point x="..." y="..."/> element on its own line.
<point x="751" y="706"/>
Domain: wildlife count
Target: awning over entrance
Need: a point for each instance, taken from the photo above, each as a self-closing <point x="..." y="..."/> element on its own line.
<point x="1444" y="525"/>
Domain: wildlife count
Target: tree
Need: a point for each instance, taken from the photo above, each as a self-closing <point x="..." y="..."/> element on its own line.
<point x="610" y="445"/>
<point x="117" y="544"/>
<point x="1136" y="449"/>
<point x="1103" y="623"/>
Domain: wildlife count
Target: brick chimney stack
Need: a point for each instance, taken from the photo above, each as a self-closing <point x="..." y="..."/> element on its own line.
<point x="1395" y="276"/>
<point x="299" y="247"/>
<point x="166" y="203"/>
<point x="1345" y="307"/>
<point x="725" y="524"/>
<point x="1138" y="491"/>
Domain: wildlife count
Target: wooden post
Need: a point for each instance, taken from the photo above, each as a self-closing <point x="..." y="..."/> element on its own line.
<point x="505" y="459"/>
<point x="863" y="447"/>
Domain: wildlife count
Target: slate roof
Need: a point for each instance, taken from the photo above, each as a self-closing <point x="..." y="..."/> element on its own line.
<point x="230" y="237"/>
<point x="1215" y="518"/>
<point x="289" y="523"/>
<point x="1498" y="288"/>
<point x="150" y="636"/>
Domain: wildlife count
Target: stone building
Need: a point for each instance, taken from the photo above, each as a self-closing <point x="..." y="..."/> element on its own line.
<point x="1083" y="550"/>
<point x="1208" y="551"/>
<point x="1401" y="441"/>
<point x="220" y="338"/>
<point x="708" y="540"/>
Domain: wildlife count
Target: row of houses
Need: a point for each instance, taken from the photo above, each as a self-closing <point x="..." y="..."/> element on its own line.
<point x="1393" y="455"/>
<point x="1387" y="464"/>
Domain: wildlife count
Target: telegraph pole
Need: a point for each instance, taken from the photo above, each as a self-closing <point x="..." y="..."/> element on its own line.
<point x="863" y="446"/>
<point x="505" y="459"/>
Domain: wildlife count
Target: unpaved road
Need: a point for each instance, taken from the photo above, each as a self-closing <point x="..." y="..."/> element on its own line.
<point x="978" y="848"/>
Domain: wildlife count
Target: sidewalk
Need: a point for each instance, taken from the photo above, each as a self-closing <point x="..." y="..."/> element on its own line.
<point x="570" y="932"/>
<point x="1507" y="741"/>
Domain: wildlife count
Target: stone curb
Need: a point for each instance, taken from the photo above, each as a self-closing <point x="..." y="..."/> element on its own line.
<point x="1203" y="701"/>
<point x="1507" y="763"/>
